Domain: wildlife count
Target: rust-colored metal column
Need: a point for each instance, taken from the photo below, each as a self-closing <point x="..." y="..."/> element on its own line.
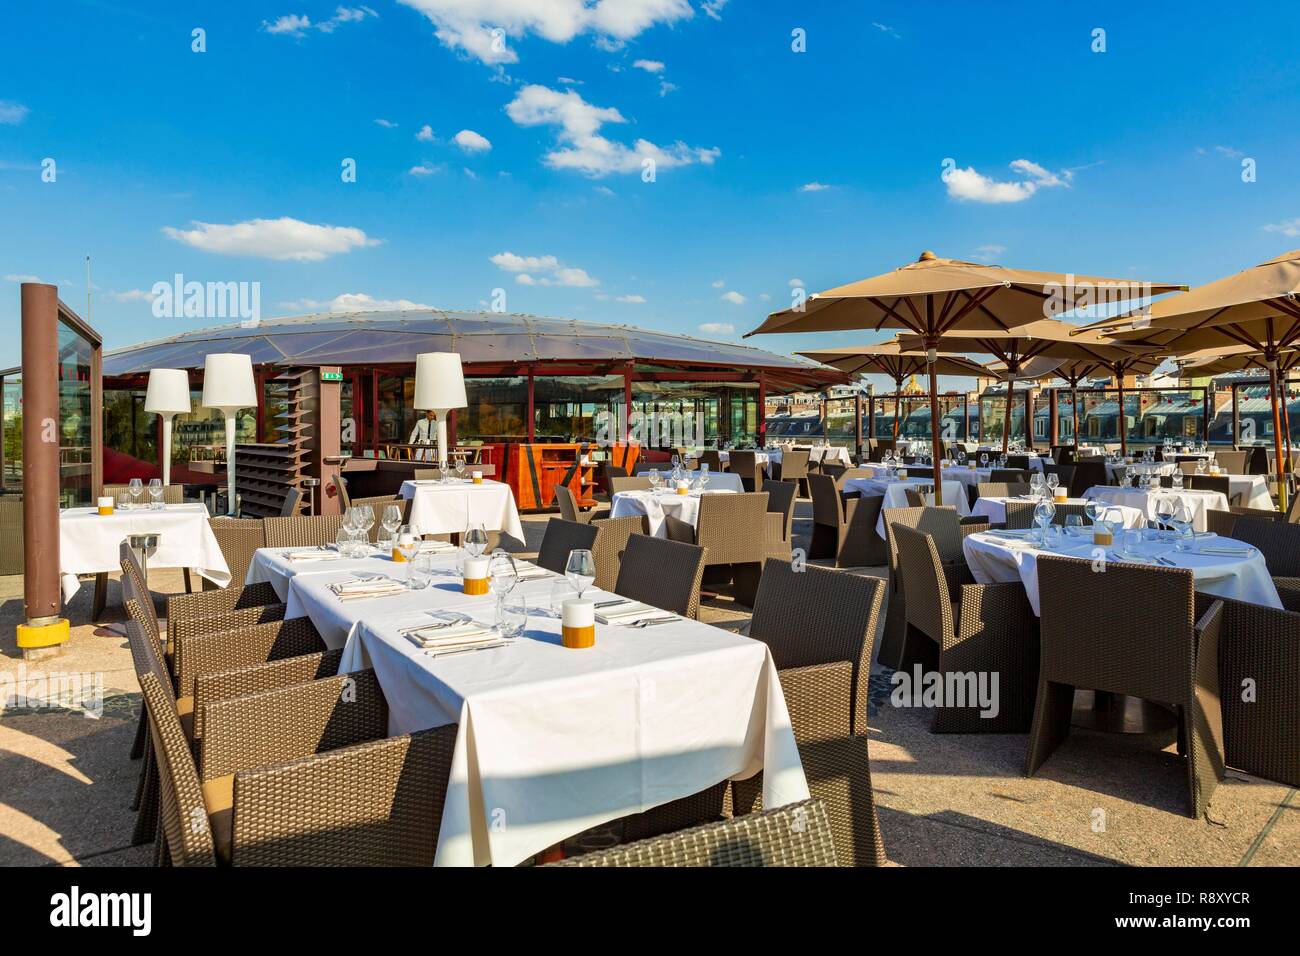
<point x="857" y="425"/>
<point x="40" y="320"/>
<point x="1053" y="420"/>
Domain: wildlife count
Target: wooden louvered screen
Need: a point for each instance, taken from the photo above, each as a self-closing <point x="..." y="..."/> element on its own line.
<point x="266" y="471"/>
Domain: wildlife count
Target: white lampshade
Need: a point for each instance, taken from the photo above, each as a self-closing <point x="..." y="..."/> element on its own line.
<point x="228" y="382"/>
<point x="169" y="392"/>
<point x="439" y="381"/>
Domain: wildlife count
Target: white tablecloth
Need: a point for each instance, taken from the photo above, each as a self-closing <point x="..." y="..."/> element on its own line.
<point x="1253" y="490"/>
<point x="995" y="509"/>
<point x="90" y="544"/>
<point x="831" y="453"/>
<point x="1200" y="501"/>
<point x="718" y="480"/>
<point x="438" y="508"/>
<point x="993" y="559"/>
<point x="553" y="741"/>
<point x="655" y="505"/>
<point x="272" y="565"/>
<point x="895" y="495"/>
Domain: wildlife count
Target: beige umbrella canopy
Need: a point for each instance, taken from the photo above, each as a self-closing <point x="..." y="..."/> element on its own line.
<point x="933" y="296"/>
<point x="1211" y="362"/>
<point x="1258" y="308"/>
<point x="1043" y="346"/>
<point x="889" y="358"/>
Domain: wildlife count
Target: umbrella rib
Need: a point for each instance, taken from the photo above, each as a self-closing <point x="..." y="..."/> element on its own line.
<point x="894" y="313"/>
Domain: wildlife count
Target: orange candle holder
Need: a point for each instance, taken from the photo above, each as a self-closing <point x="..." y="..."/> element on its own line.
<point x="578" y="623"/>
<point x="105" y="506"/>
<point x="474" y="576"/>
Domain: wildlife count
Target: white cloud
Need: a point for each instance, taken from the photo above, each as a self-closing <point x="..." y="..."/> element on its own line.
<point x="468" y="26"/>
<point x="11" y="114"/>
<point x="969" y="185"/>
<point x="21" y="278"/>
<point x="355" y="302"/>
<point x="795" y="283"/>
<point x="297" y="24"/>
<point x="568" y="81"/>
<point x="631" y="299"/>
<point x="886" y="28"/>
<point x="1288" y="227"/>
<point x="582" y="147"/>
<point x="132" y="295"/>
<point x="650" y="66"/>
<point x="425" y="135"/>
<point x="426" y="168"/>
<point x="1229" y="151"/>
<point x="764" y="297"/>
<point x="734" y="297"/>
<point x="718" y="283"/>
<point x="604" y="190"/>
<point x="469" y="172"/>
<point x="665" y="87"/>
<point x="551" y="271"/>
<point x="386" y="123"/>
<point x="281" y="239"/>
<point x="713" y="8"/>
<point x="718" y="328"/>
<point x="472" y="142"/>
<point x="813" y="187"/>
<point x="988" y="253"/>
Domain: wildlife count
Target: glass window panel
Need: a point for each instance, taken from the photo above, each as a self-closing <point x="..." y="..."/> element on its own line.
<point x="497" y="409"/>
<point x="11" y="423"/>
<point x="74" y="417"/>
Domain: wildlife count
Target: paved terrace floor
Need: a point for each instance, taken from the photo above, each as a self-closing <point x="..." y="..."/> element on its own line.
<point x="66" y="782"/>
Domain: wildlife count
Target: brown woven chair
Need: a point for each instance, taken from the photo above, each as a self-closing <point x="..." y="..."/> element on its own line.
<point x="662" y="573"/>
<point x="1087" y="474"/>
<point x="1018" y="462"/>
<point x="238" y="539"/>
<point x="567" y="502"/>
<point x="1012" y="476"/>
<point x="292" y="504"/>
<point x="302" y="532"/>
<point x="1278" y="541"/>
<point x="987" y="629"/>
<point x="999" y="489"/>
<point x="612" y="535"/>
<point x="341" y="489"/>
<point x="562" y="537"/>
<point x="11" y="532"/>
<point x="624" y="483"/>
<point x="792" y="467"/>
<point x="172" y="494"/>
<point x="780" y="501"/>
<point x="739" y="535"/>
<point x="1293" y="511"/>
<point x="1175" y="662"/>
<point x="1224" y="523"/>
<point x="1020" y="514"/>
<point x="1063" y="473"/>
<point x="836" y="471"/>
<point x="713" y="458"/>
<point x="1219" y="483"/>
<point x="1259" y="683"/>
<point x="845" y="528"/>
<point x="301" y="776"/>
<point x="1232" y="461"/>
<point x="745" y="464"/>
<point x="798" y="834"/>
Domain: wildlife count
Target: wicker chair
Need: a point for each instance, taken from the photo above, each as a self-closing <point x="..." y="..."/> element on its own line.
<point x="1020" y="514"/>
<point x="341" y="489"/>
<point x="999" y="489"/>
<point x="1087" y="474"/>
<point x="745" y="464"/>
<point x="606" y="476"/>
<point x="1278" y="541"/>
<point x="1219" y="483"/>
<point x="11" y="532"/>
<point x="239" y="539"/>
<point x="292" y="504"/>
<point x="780" y="501"/>
<point x="300" y="776"/>
<point x="569" y="510"/>
<point x="989" y="628"/>
<point x="726" y="526"/>
<point x="845" y="528"/>
<point x="798" y="834"/>
<point x="172" y="494"/>
<point x="302" y="532"/>
<point x="713" y="458"/>
<point x="1175" y="662"/>
<point x="612" y="536"/>
<point x="1259" y="684"/>
<point x="1014" y="476"/>
<point x="562" y="537"/>
<point x="1232" y="461"/>
<point x="1063" y="473"/>
<point x="792" y="467"/>
<point x="662" y="573"/>
<point x="624" y="483"/>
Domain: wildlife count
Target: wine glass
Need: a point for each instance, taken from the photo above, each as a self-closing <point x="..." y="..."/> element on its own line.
<point x="581" y="570"/>
<point x="677" y="463"/>
<point x="391" y="521"/>
<point x="503" y="572"/>
<point x="407" y="546"/>
<point x="654" y="479"/>
<point x="136" y="488"/>
<point x="1200" y="466"/>
<point x="1165" y="507"/>
<point x="704" y="478"/>
<point x="1182" y="519"/>
<point x="350" y="519"/>
<point x="476" y="540"/>
<point x="1074" y="525"/>
<point x="155" y="493"/>
<point x="1094" y="509"/>
<point x="984" y="459"/>
<point x="1044" y="512"/>
<point x="1036" y="485"/>
<point x="1053" y="482"/>
<point x="1176" y="480"/>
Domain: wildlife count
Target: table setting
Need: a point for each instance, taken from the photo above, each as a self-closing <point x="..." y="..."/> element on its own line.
<point x="679" y="496"/>
<point x="449" y="505"/>
<point x="1149" y="500"/>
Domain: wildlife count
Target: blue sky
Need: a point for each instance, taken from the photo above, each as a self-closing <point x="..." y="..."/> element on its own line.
<point x="772" y="165"/>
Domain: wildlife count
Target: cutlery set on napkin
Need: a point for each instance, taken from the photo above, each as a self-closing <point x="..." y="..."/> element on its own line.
<point x="322" y="553"/>
<point x="453" y="637"/>
<point x="629" y="613"/>
<point x="367" y="588"/>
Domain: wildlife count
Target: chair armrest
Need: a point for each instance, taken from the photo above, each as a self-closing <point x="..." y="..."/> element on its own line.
<point x="973" y="524"/>
<point x="373" y="804"/>
<point x="292" y="722"/>
<point x="238" y="647"/>
<point x="679" y="530"/>
<point x="774" y="536"/>
<point x="255" y="678"/>
<point x="234" y="598"/>
<point x="1288" y="589"/>
<point x="179" y="628"/>
<point x="820" y="700"/>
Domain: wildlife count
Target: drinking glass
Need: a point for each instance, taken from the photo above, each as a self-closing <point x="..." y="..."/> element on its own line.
<point x="1044" y="512"/>
<point x="460" y="468"/>
<point x="392" y="519"/>
<point x="1176" y="482"/>
<point x="136" y="488"/>
<point x="654" y="479"/>
<point x="349" y="519"/>
<point x="984" y="459"/>
<point x="407" y="546"/>
<point x="1182" y="519"/>
<point x="124" y="500"/>
<point x="512" y="617"/>
<point x="365" y="519"/>
<point x="1165" y="507"/>
<point x="343" y="540"/>
<point x="561" y="591"/>
<point x="1052" y="536"/>
<point x="1200" y="466"/>
<point x="1130" y="541"/>
<point x="581" y="570"/>
<point x="1074" y="525"/>
<point x="156" y="493"/>
<point x="421" y="569"/>
<point x="503" y="572"/>
<point x="1053" y="482"/>
<point x="476" y="540"/>
<point x="1036" y="485"/>
<point x="677" y="463"/>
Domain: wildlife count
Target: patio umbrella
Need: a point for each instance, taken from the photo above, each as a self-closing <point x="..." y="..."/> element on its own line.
<point x="933" y="296"/>
<point x="1029" y="350"/>
<point x="1258" y="308"/>
<point x="889" y="358"/>
<point x="1073" y="371"/>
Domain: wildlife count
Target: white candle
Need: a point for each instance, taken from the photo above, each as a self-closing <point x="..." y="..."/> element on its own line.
<point x="579" y="612"/>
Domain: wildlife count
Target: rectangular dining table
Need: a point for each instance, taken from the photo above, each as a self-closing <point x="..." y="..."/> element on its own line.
<point x="450" y="507"/>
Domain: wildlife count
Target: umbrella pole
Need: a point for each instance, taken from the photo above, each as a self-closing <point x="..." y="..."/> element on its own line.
<point x="1277" y="434"/>
<point x="1074" y="414"/>
<point x="935" y="456"/>
<point x="1006" y="419"/>
<point x="898" y="409"/>
<point x="1121" y="421"/>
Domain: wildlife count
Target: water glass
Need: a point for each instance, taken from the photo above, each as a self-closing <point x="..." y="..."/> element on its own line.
<point x="1074" y="525"/>
<point x="1130" y="541"/>
<point x="512" y="616"/>
<point x="155" y="493"/>
<point x="581" y="570"/>
<point x="460" y="468"/>
<point x="654" y="478"/>
<point x="421" y="570"/>
<point x="408" y="545"/>
<point x="1052" y="537"/>
<point x="561" y="591"/>
<point x="136" y="487"/>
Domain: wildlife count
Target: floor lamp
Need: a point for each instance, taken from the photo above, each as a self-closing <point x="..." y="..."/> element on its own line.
<point x="228" y="386"/>
<point x="440" y="386"/>
<point x="168" y="394"/>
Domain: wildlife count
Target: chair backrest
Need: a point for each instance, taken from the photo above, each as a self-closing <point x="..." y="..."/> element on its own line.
<point x="612" y="535"/>
<point x="794" y="465"/>
<point x="662" y="573"/>
<point x="1020" y="514"/>
<point x="1293" y="510"/>
<point x="238" y="539"/>
<point x="1233" y="461"/>
<point x="942" y="524"/>
<point x="624" y="483"/>
<point x="428" y="474"/>
<point x="1014" y="476"/>
<point x="378" y="503"/>
<point x="1063" y="473"/>
<point x="925" y="587"/>
<point x="1188" y="465"/>
<point x="1097" y="650"/>
<point x="1277" y="541"/>
<point x="341" y="488"/>
<point x="172" y="494"/>
<point x="1018" y="462"/>
<point x="833" y="469"/>
<point x="1257" y="461"/>
<point x="780" y="500"/>
<point x="999" y="489"/>
<point x="610" y="471"/>
<point x="292" y="503"/>
<point x="827" y="507"/>
<point x="819" y="616"/>
<point x="301" y="532"/>
<point x="797" y="834"/>
<point x="1219" y="483"/>
<point x="567" y="502"/>
<point x="731" y="527"/>
<point x="744" y="463"/>
<point x="878" y="448"/>
<point x="11" y="532"/>
<point x="138" y="601"/>
<point x="712" y="458"/>
<point x="560" y="538"/>
<point x="1087" y="474"/>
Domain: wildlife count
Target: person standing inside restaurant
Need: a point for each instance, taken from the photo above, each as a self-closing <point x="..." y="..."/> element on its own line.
<point x="424" y="433"/>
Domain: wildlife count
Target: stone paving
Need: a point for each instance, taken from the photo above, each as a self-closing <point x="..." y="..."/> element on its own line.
<point x="66" y="782"/>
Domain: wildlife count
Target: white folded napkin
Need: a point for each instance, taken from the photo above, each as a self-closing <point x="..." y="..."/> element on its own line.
<point x="463" y="633"/>
<point x="317" y="554"/>
<point x="366" y="588"/>
<point x="530" y="572"/>
<point x="436" y="547"/>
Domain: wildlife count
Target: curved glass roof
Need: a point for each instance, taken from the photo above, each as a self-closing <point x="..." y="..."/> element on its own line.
<point x="377" y="338"/>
